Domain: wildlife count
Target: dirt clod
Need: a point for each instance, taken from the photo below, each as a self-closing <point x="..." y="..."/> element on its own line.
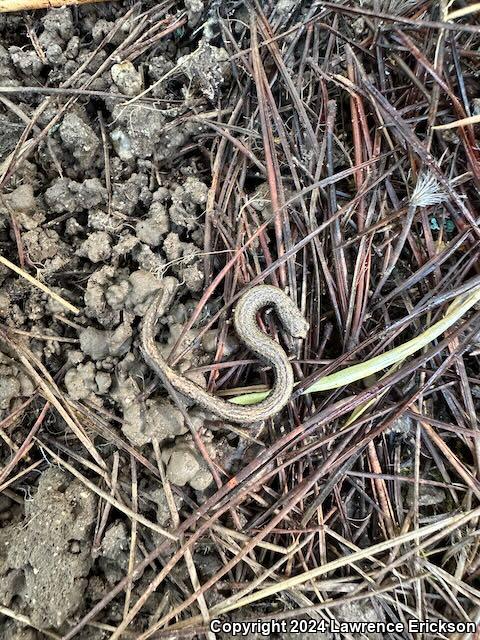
<point x="38" y="568"/>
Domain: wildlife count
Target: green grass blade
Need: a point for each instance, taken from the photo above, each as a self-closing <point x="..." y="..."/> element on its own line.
<point x="364" y="369"/>
<point x="370" y="367"/>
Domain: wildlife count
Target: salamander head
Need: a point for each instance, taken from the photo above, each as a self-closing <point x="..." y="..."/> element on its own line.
<point x="298" y="326"/>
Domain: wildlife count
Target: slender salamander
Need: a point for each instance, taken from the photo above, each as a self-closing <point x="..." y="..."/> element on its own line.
<point x="249" y="332"/>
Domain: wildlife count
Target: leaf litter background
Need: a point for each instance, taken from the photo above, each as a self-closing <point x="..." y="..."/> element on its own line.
<point x="227" y="144"/>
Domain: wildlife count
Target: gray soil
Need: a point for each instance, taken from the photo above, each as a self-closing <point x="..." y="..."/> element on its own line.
<point x="108" y="209"/>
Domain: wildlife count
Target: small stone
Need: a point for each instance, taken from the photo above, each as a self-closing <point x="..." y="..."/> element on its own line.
<point x="127" y="78"/>
<point x="202" y="480"/>
<point x="122" y="144"/>
<point x="205" y="68"/>
<point x="79" y="138"/>
<point x="182" y="466"/>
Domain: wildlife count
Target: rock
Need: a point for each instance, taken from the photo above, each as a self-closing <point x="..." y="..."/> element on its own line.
<point x="80" y="139"/>
<point x="205" y="68"/>
<point x="186" y="466"/>
<point x="194" y="9"/>
<point x="182" y="466"/>
<point x="27" y="61"/>
<point x="127" y="78"/>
